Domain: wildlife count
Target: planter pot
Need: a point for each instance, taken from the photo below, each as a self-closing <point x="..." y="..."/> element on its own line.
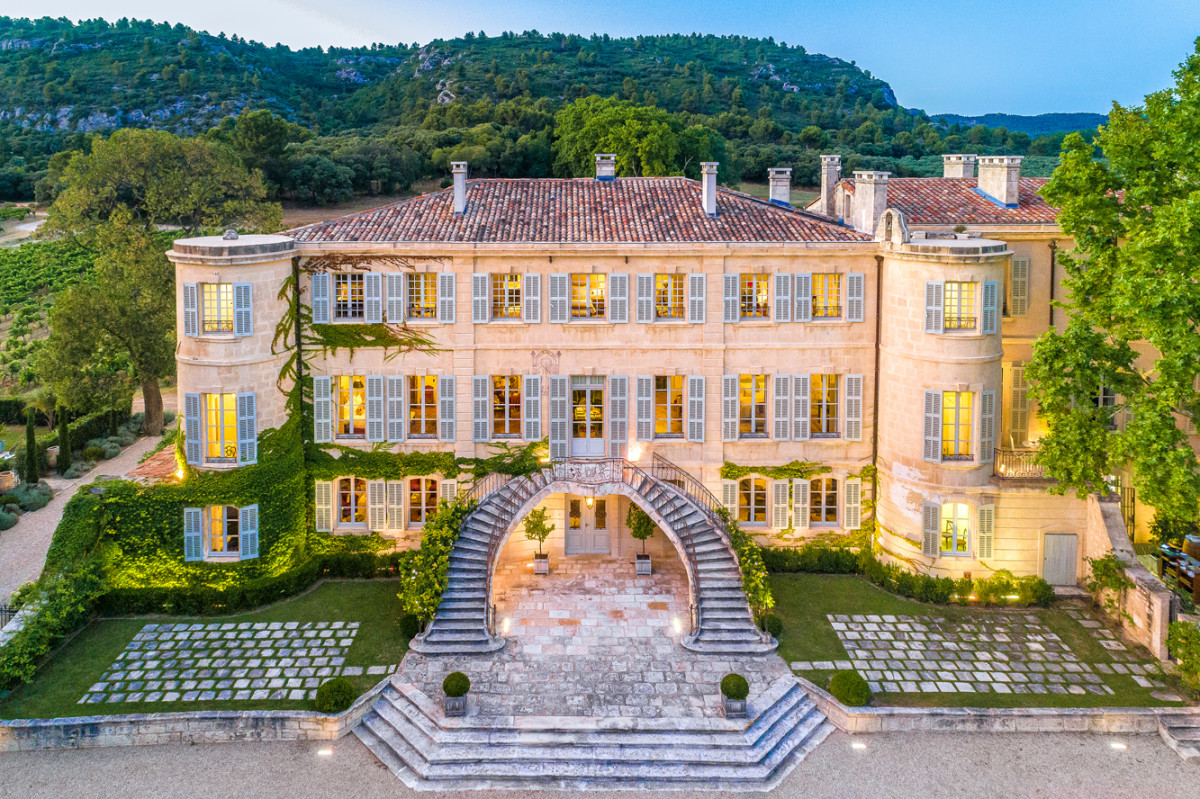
<point x="541" y="563"/>
<point x="52" y="457"/>
<point x="456" y="706"/>
<point x="735" y="708"/>
<point x="7" y="480"/>
<point x="643" y="565"/>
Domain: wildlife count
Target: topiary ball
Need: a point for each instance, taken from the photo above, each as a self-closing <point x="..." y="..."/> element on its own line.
<point x="456" y="684"/>
<point x="410" y="625"/>
<point x="849" y="688"/>
<point x="334" y="696"/>
<point x="773" y="624"/>
<point x="735" y="687"/>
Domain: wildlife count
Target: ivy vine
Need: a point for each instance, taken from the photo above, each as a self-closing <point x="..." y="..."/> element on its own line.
<point x="795" y="470"/>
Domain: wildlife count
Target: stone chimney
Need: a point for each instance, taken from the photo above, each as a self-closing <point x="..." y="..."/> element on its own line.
<point x="780" y="179"/>
<point x="870" y="199"/>
<point x="998" y="176"/>
<point x="831" y="172"/>
<point x="708" y="187"/>
<point x="958" y="166"/>
<point x="459" y="170"/>
<point x="606" y="166"/>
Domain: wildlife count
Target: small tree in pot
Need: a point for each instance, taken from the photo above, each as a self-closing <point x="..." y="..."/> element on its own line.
<point x="455" y="686"/>
<point x="538" y="529"/>
<point x="735" y="689"/>
<point x="641" y="527"/>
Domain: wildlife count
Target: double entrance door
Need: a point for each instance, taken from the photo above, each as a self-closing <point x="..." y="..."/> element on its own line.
<point x="588" y="527"/>
<point x="587" y="417"/>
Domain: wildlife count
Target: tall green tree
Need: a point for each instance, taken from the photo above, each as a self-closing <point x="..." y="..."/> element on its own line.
<point x="1133" y="304"/>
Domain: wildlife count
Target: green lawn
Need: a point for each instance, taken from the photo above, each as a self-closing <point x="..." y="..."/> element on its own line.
<point x="803" y="600"/>
<point x="14" y="435"/>
<point x="68" y="675"/>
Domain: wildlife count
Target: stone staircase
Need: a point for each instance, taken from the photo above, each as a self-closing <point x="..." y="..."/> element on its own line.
<point x="1181" y="732"/>
<point x="410" y="734"/>
<point x="724" y="622"/>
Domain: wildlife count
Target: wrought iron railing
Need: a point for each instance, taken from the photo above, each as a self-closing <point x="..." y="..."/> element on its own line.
<point x="1018" y="464"/>
<point x="6" y="614"/>
<point x="483" y="486"/>
<point x="954" y="322"/>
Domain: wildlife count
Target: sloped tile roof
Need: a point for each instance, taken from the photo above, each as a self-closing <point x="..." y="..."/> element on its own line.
<point x="579" y="210"/>
<point x="953" y="201"/>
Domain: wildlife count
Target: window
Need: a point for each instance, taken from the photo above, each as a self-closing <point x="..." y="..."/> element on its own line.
<point x="601" y="514"/>
<point x="422" y="407"/>
<point x="506" y="296"/>
<point x="959" y="306"/>
<point x="752" y="500"/>
<point x="224" y="536"/>
<point x="422" y="499"/>
<point x="352" y="500"/>
<point x="1106" y="400"/>
<point x="955" y="527"/>
<point x="575" y="514"/>
<point x="348" y="297"/>
<point x="668" y="406"/>
<point x="752" y="406"/>
<point x="826" y="296"/>
<point x="956" y="425"/>
<point x="506" y="407"/>
<point x="422" y="295"/>
<point x="823" y="407"/>
<point x="587" y="296"/>
<point x="823" y="501"/>
<point x="220" y="428"/>
<point x="350" y="398"/>
<point x="668" y="296"/>
<point x="216" y="307"/>
<point x="753" y="298"/>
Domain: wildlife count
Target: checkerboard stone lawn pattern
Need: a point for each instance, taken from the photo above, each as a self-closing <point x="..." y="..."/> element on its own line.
<point x="226" y="661"/>
<point x="1007" y="654"/>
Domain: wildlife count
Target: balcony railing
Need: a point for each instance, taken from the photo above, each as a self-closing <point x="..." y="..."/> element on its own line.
<point x="1018" y="464"/>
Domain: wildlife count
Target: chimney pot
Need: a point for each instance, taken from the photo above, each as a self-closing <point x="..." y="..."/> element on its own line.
<point x="606" y="166"/>
<point x="831" y="173"/>
<point x="999" y="177"/>
<point x="708" y="188"/>
<point x="870" y="199"/>
<point x="780" y="180"/>
<point x="459" y="170"/>
<point x="958" y="165"/>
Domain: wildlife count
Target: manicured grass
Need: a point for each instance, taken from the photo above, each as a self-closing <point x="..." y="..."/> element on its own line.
<point x="803" y="600"/>
<point x="67" y="676"/>
<point x="14" y="435"/>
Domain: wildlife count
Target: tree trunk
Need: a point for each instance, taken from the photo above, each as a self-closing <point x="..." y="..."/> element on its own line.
<point x="152" y="396"/>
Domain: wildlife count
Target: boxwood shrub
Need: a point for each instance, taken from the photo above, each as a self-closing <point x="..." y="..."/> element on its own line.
<point x="735" y="687"/>
<point x="849" y="688"/>
<point x="334" y="696"/>
<point x="456" y="684"/>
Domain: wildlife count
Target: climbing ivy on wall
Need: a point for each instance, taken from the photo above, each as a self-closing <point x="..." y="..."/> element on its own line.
<point x="795" y="470"/>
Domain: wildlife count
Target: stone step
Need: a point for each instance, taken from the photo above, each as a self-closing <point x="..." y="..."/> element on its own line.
<point x="452" y="636"/>
<point x="444" y="623"/>
<point x="1184" y="733"/>
<point x="1174" y="720"/>
<point x="747" y="633"/>
<point x="709" y="582"/>
<point x="465" y="593"/>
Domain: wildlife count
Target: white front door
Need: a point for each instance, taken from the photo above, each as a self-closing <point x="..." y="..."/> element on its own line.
<point x="588" y="528"/>
<point x="587" y="417"/>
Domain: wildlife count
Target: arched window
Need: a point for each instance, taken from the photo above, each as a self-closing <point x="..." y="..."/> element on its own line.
<point x="352" y="500"/>
<point x="422" y="499"/>
<point x="823" y="501"/>
<point x="752" y="500"/>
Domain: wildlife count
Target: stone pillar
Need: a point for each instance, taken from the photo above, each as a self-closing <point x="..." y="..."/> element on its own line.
<point x="780" y="180"/>
<point x="870" y="200"/>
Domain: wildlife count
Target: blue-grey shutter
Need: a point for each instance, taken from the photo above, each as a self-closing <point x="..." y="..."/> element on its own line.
<point x="376" y="505"/>
<point x="856" y="291"/>
<point x="191" y="309"/>
<point x="243" y="312"/>
<point x="932" y="433"/>
<point x="560" y="308"/>
<point x="445" y="298"/>
<point x="372" y="298"/>
<point x="618" y="423"/>
<point x="801" y="420"/>
<point x="731" y="307"/>
<point x="935" y="301"/>
<point x="729" y="408"/>
<point x="395" y="297"/>
<point x="323" y="507"/>
<point x="987" y="425"/>
<point x="375" y="415"/>
<point x="644" y="408"/>
<point x="645" y="299"/>
<point x="697" y="290"/>
<point x="191" y="427"/>
<point x="986" y="546"/>
<point x="801" y="491"/>
<point x="481" y="407"/>
<point x="618" y="298"/>
<point x="532" y="394"/>
<point x="1019" y="289"/>
<point x="991" y="306"/>
<point x="852" y="504"/>
<point x="783" y="297"/>
<point x="695" y="430"/>
<point x="446" y="408"/>
<point x="395" y="504"/>
<point x="531" y="293"/>
<point x="320" y="298"/>
<point x="247" y="413"/>
<point x="783" y="408"/>
<point x="729" y="498"/>
<point x="854" y="407"/>
<point x="480" y="306"/>
<point x="395" y="408"/>
<point x="558" y="418"/>
<point x="779" y="504"/>
<point x="322" y="409"/>
<point x="193" y="547"/>
<point x="931" y="519"/>
<point x="803" y="293"/>
<point x="248" y="518"/>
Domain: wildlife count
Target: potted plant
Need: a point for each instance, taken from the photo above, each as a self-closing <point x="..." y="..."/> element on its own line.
<point x="735" y="689"/>
<point x="538" y="529"/>
<point x="455" y="686"/>
<point x="640" y="527"/>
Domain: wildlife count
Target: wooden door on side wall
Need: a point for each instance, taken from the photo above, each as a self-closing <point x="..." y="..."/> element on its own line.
<point x="1059" y="558"/>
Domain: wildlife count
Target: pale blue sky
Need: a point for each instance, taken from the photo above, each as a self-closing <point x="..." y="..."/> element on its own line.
<point x="1015" y="56"/>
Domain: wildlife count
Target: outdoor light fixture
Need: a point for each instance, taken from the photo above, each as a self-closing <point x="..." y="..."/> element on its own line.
<point x="859" y="745"/>
<point x="505" y="625"/>
<point x="1120" y="747"/>
<point x="589" y="501"/>
<point x="675" y="625"/>
<point x="324" y="752"/>
<point x="635" y="452"/>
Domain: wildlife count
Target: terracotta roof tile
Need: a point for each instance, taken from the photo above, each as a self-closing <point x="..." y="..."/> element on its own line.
<point x="953" y="201"/>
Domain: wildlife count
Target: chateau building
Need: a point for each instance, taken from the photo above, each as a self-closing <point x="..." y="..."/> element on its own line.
<point x="638" y="318"/>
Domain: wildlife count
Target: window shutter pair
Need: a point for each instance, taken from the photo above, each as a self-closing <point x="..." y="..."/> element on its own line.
<point x="783" y="298"/>
<point x="481" y="300"/>
<point x="618" y="298"/>
<point x="395" y="297"/>
<point x="732" y="307"/>
<point x="247" y="415"/>
<point x="396" y="416"/>
<point x="991" y="308"/>
<point x="803" y="292"/>
<point x="481" y="408"/>
<point x="558" y="417"/>
<point x="856" y="300"/>
<point x="618" y="424"/>
<point x="935" y="302"/>
<point x="800" y="499"/>
<point x="729" y="408"/>
<point x="191" y="428"/>
<point x="560" y="306"/>
<point x="645" y="299"/>
<point x="320" y="298"/>
<point x="193" y="533"/>
<point x="1019" y="288"/>
<point x="801" y="420"/>
<point x="531" y="297"/>
<point x="697" y="289"/>
<point x="695" y="429"/>
<point x="243" y="314"/>
<point x="322" y="409"/>
<point x="779" y="504"/>
<point x="532" y="397"/>
<point x="783" y="408"/>
<point x="931" y="520"/>
<point x="986" y="546"/>
<point x="854" y="407"/>
<point x="644" y="407"/>
<point x="932" y="431"/>
<point x="446" y="407"/>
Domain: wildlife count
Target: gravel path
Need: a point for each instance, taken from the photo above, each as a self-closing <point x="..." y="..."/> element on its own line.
<point x="893" y="766"/>
<point x="23" y="548"/>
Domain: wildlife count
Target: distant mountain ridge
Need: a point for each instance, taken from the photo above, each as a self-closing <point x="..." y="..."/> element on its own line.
<point x="1036" y="125"/>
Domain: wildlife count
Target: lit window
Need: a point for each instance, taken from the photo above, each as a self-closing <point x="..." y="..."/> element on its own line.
<point x="959" y="306"/>
<point x="422" y="499"/>
<point x="574" y="514"/>
<point x="826" y="296"/>
<point x="350" y="394"/>
<point x="506" y="407"/>
<point x="955" y="527"/>
<point x="422" y="407"/>
<point x="587" y="296"/>
<point x="753" y="300"/>
<point x="352" y="500"/>
<point x="823" y="501"/>
<point x="668" y="296"/>
<point x="668" y="407"/>
<point x="220" y="428"/>
<point x="216" y="307"/>
<point x="506" y="296"/>
<point x="823" y="406"/>
<point x="348" y="297"/>
<point x="223" y="531"/>
<point x="752" y="500"/>
<point x="752" y="406"/>
<point x="956" y="425"/>
<point x="422" y="295"/>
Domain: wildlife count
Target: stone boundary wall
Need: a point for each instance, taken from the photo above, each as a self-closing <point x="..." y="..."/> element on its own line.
<point x="201" y="726"/>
